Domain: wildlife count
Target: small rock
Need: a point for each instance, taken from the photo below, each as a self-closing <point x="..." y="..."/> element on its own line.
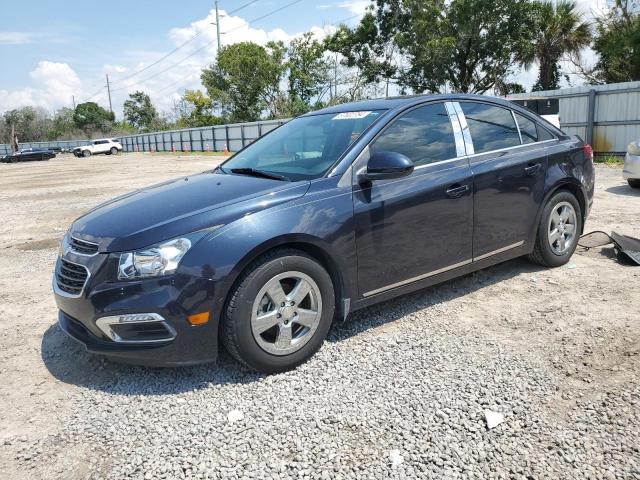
<point x="493" y="418"/>
<point x="395" y="458"/>
<point x="235" y="416"/>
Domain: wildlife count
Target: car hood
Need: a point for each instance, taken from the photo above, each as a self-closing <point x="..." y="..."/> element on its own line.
<point x="180" y="206"/>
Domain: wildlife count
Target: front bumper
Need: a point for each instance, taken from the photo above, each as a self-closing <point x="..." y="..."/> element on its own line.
<point x="631" y="169"/>
<point x="171" y="298"/>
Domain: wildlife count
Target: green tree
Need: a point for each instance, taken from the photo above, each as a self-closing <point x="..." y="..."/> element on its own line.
<point x="617" y="43"/>
<point x="370" y="47"/>
<point x="242" y="80"/>
<point x="198" y="111"/>
<point x="90" y="117"/>
<point x="308" y="70"/>
<point x="559" y="31"/>
<point x="139" y="111"/>
<point x="466" y="46"/>
<point x="62" y="125"/>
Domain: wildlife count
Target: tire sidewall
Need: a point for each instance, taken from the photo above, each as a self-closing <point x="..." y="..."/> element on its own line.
<point x="86" y="153"/>
<point x="547" y="252"/>
<point x="240" y="315"/>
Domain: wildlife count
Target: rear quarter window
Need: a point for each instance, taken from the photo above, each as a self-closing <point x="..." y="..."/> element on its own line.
<point x="528" y="129"/>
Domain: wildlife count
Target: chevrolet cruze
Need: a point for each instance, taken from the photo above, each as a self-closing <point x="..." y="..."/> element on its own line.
<point x="334" y="211"/>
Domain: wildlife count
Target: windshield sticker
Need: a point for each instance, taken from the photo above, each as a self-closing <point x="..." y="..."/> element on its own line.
<point x="351" y="115"/>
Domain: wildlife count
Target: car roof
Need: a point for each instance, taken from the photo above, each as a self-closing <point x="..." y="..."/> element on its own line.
<point x="400" y="102"/>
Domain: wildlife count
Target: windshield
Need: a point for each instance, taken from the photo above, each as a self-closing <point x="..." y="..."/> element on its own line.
<point x="304" y="148"/>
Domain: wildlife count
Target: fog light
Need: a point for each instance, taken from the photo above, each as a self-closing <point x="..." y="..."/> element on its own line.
<point x="199" y="318"/>
<point x="151" y="328"/>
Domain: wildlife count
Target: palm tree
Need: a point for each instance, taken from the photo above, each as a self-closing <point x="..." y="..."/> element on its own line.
<point x="559" y="31"/>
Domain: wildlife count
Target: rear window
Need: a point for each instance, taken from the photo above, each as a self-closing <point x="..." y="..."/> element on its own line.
<point x="491" y="127"/>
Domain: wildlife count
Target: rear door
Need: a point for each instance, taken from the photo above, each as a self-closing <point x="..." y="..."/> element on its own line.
<point x="509" y="166"/>
<point x="410" y="228"/>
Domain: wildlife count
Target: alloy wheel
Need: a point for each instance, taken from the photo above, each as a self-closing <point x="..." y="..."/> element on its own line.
<point x="562" y="228"/>
<point x="286" y="313"/>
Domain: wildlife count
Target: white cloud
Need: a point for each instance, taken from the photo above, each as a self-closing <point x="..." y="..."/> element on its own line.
<point x="355" y="6"/>
<point x="55" y="85"/>
<point x="18" y="38"/>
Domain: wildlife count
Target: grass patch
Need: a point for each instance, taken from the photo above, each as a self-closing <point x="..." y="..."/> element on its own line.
<point x="609" y="159"/>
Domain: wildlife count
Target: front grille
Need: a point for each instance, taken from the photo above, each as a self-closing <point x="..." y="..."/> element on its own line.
<point x="83" y="247"/>
<point x="71" y="277"/>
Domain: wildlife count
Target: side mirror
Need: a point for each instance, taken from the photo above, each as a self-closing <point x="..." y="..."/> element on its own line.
<point x="383" y="165"/>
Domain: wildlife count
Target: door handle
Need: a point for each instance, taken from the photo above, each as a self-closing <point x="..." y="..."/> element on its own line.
<point x="532" y="169"/>
<point x="456" y="190"/>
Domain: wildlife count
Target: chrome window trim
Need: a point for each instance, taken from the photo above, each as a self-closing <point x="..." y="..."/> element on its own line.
<point x="513" y="115"/>
<point x="513" y="148"/>
<point x="457" y="129"/>
<point x="104" y="324"/>
<point x="466" y="132"/>
<point x="61" y="292"/>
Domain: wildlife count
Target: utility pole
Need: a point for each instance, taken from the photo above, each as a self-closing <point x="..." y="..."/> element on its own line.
<point x="73" y="99"/>
<point x="109" y="92"/>
<point x="218" y="25"/>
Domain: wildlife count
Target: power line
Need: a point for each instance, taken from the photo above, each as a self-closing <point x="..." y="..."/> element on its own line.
<point x="264" y="16"/>
<point x="242" y="6"/>
<point x="160" y="59"/>
<point x="163" y="70"/>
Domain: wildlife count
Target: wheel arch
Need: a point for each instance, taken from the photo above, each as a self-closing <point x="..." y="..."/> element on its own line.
<point x="572" y="186"/>
<point x="309" y="245"/>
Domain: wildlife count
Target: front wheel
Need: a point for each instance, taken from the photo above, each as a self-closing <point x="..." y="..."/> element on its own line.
<point x="280" y="312"/>
<point x="86" y="153"/>
<point x="634" y="182"/>
<point x="113" y="151"/>
<point x="558" y="231"/>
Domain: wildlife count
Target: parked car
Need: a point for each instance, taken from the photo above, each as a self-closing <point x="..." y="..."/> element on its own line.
<point x="334" y="211"/>
<point x="631" y="169"/>
<point x="107" y="146"/>
<point x="28" y="155"/>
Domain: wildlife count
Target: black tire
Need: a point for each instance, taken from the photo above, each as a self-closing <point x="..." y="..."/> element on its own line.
<point x="86" y="153"/>
<point x="543" y="254"/>
<point x="113" y="151"/>
<point x="634" y="182"/>
<point x="236" y="331"/>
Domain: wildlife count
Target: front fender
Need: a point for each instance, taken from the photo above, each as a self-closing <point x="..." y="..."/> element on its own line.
<point x="321" y="221"/>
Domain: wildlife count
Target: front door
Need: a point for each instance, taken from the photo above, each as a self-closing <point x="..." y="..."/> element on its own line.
<point x="509" y="167"/>
<point x="411" y="228"/>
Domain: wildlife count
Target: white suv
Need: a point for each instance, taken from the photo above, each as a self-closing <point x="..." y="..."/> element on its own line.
<point x="108" y="146"/>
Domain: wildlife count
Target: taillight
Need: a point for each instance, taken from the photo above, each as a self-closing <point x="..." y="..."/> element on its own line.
<point x="588" y="151"/>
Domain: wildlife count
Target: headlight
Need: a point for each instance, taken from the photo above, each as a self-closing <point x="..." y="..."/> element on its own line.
<point x="634" y="148"/>
<point x="161" y="259"/>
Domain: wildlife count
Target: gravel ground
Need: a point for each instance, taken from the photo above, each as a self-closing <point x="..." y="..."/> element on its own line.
<point x="398" y="391"/>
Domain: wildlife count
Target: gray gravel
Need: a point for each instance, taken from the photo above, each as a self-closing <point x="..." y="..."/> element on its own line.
<point x="415" y="408"/>
<point x="398" y="391"/>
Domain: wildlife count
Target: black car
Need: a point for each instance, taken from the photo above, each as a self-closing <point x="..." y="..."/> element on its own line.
<point x="28" y="155"/>
<point x="334" y="211"/>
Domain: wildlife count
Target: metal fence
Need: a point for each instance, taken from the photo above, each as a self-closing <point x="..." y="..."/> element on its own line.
<point x="202" y="139"/>
<point x="234" y="137"/>
<point x="605" y="116"/>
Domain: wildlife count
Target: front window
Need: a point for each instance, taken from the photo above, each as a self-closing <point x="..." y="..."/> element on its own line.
<point x="304" y="148"/>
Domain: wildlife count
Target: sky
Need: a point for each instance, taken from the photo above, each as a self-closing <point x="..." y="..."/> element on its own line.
<point x="55" y="51"/>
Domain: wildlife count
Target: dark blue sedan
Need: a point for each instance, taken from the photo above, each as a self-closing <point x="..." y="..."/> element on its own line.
<point x="334" y="211"/>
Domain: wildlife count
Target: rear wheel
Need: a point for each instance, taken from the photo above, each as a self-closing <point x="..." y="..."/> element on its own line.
<point x="86" y="153"/>
<point x="280" y="312"/>
<point x="558" y="231"/>
<point x="634" y="182"/>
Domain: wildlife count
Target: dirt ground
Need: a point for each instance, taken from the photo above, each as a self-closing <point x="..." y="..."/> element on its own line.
<point x="581" y="319"/>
